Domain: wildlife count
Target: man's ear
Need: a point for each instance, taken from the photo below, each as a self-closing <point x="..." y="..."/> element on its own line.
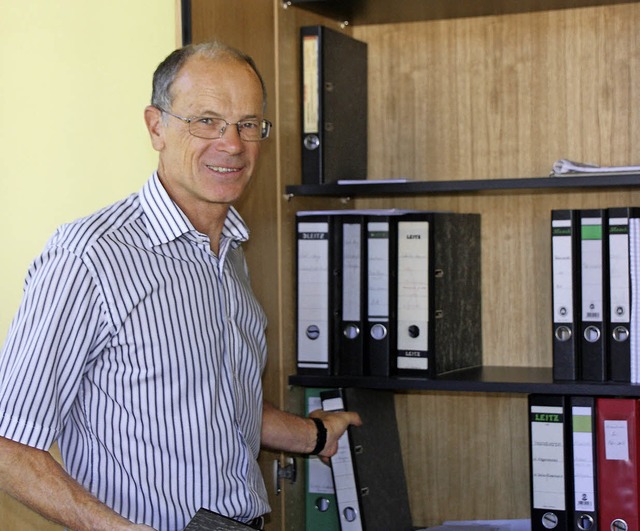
<point x="153" y="119"/>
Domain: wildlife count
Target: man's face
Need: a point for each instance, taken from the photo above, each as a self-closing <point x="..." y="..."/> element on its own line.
<point x="197" y="172"/>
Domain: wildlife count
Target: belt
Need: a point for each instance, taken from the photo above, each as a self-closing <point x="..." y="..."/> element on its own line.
<point x="257" y="523"/>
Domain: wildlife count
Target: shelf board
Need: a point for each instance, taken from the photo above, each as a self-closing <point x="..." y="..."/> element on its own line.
<point x="362" y="12"/>
<point x="486" y="379"/>
<point x="386" y="188"/>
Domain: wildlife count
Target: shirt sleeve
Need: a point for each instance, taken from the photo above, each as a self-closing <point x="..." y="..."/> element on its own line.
<point x="55" y="334"/>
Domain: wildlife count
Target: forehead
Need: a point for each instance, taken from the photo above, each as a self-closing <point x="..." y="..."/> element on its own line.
<point x="224" y="85"/>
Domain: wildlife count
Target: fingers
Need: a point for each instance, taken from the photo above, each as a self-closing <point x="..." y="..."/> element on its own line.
<point x="349" y="417"/>
<point x="355" y="419"/>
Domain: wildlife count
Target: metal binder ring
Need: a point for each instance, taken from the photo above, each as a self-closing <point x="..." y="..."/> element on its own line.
<point x="311" y="142"/>
<point x="563" y="333"/>
<point x="591" y="334"/>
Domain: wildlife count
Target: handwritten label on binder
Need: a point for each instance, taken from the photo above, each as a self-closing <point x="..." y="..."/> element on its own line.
<point x="351" y="265"/>
<point x="313" y="294"/>
<point x="616" y="440"/>
<point x="310" y="48"/>
<point x="562" y="252"/>
<point x="413" y="295"/>
<point x="378" y="270"/>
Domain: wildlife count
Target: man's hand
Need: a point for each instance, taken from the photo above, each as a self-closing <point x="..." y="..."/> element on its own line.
<point x="336" y="423"/>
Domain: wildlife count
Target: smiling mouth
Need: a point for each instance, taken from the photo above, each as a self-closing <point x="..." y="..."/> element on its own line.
<point x="222" y="169"/>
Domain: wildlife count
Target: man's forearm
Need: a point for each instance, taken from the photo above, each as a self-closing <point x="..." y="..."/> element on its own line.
<point x="286" y="431"/>
<point x="291" y="433"/>
<point x="36" y="479"/>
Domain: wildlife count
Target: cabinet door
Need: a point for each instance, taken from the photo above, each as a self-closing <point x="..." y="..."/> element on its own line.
<point x="249" y="26"/>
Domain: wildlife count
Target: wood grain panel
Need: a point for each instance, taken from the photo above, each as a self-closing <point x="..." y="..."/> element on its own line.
<point x="489" y="98"/>
<point x="505" y="96"/>
<point x="465" y="456"/>
<point x="251" y="28"/>
<point x="383" y="12"/>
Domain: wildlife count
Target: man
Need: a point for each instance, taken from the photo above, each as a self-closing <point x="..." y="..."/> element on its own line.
<point x="139" y="345"/>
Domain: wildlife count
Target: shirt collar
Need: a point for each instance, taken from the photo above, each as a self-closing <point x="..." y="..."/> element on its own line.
<point x="166" y="222"/>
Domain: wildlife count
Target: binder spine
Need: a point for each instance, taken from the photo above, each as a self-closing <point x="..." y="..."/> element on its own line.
<point x="377" y="459"/>
<point x="381" y="292"/>
<point x="343" y="470"/>
<point x="321" y="512"/>
<point x="618" y="421"/>
<point x="619" y="322"/>
<point x="312" y="104"/>
<point x="566" y="288"/>
<point x="594" y="294"/>
<point x="634" y="264"/>
<point x="350" y="331"/>
<point x="584" y="453"/>
<point x="414" y="333"/>
<point x="315" y="294"/>
<point x="334" y="106"/>
<point x="550" y="453"/>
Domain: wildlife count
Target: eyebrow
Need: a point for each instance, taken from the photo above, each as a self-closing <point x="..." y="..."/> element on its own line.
<point x="215" y="114"/>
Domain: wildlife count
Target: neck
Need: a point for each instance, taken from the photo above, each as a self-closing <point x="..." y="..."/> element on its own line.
<point x="206" y="217"/>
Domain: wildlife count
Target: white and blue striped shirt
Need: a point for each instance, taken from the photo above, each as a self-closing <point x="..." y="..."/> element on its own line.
<point x="141" y="352"/>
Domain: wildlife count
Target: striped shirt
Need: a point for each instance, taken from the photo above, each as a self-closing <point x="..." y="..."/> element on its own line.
<point x="141" y="352"/>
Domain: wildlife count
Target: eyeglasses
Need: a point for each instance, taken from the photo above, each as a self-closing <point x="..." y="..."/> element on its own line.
<point x="213" y="128"/>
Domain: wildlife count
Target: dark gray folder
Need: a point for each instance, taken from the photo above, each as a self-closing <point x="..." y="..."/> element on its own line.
<point x="377" y="459"/>
<point x="448" y="276"/>
<point x="334" y="106"/>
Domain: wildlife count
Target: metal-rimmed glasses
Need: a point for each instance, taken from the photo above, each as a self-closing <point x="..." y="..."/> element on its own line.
<point x="212" y="128"/>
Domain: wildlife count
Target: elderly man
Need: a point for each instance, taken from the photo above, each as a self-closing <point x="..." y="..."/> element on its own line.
<point x="139" y="345"/>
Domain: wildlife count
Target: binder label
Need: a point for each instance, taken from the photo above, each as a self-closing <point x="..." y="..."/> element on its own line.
<point x="310" y="51"/>
<point x="592" y="274"/>
<point x="561" y="247"/>
<point x="413" y="294"/>
<point x="616" y="439"/>
<point x="378" y="271"/>
<point x="583" y="463"/>
<point x="619" y="269"/>
<point x="313" y="295"/>
<point x="351" y="261"/>
<point x="547" y="457"/>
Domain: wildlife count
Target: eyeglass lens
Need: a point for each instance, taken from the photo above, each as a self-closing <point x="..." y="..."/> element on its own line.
<point x="212" y="128"/>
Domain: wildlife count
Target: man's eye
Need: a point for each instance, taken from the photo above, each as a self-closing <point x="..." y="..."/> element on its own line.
<point x="249" y="125"/>
<point x="206" y="121"/>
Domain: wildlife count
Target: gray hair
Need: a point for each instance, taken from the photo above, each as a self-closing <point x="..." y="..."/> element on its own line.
<point x="167" y="70"/>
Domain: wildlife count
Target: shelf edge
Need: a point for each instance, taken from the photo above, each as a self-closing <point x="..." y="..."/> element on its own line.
<point x="488" y="379"/>
<point x="372" y="188"/>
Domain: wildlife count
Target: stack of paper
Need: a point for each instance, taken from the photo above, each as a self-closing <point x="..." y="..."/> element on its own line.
<point x="569" y="167"/>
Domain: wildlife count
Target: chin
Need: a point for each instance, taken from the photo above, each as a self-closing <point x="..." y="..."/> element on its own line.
<point x="227" y="197"/>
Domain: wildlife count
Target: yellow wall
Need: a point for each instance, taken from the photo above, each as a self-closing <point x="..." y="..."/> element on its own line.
<point x="75" y="76"/>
